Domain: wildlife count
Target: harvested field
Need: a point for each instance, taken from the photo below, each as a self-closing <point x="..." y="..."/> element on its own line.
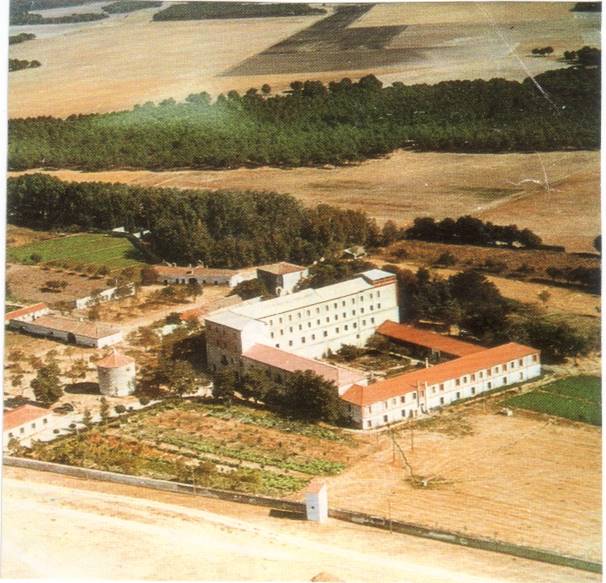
<point x="218" y="541"/>
<point x="28" y="284"/>
<point x="505" y="188"/>
<point x="85" y="70"/>
<point x="524" y="479"/>
<point x="19" y="236"/>
<point x="89" y="249"/>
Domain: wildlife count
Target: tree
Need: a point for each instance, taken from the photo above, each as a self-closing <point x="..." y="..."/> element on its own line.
<point x="251" y="288"/>
<point x="87" y="418"/>
<point x="78" y="370"/>
<point x="224" y="384"/>
<point x="183" y="379"/>
<point x="389" y="233"/>
<point x="194" y="289"/>
<point x="94" y="312"/>
<point x="544" y="296"/>
<point x="104" y="409"/>
<point x="46" y="385"/>
<point x="312" y="397"/>
<point x="120" y="409"/>
<point x="265" y="89"/>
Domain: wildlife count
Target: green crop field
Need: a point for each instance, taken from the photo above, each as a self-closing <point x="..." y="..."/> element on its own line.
<point x="576" y="398"/>
<point x="95" y="249"/>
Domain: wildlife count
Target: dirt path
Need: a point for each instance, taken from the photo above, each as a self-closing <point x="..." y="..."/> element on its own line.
<point x="60" y="527"/>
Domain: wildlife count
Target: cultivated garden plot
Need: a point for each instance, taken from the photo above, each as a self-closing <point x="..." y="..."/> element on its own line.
<point x="576" y="398"/>
<point x="236" y="448"/>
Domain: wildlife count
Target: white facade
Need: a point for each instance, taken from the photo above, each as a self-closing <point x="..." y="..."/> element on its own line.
<point x="202" y="275"/>
<point x="57" y="328"/>
<point x="27" y="314"/>
<point x="105" y="295"/>
<point x="409" y="395"/>
<point x="316" y="502"/>
<point x="306" y="323"/>
<point x="25" y="422"/>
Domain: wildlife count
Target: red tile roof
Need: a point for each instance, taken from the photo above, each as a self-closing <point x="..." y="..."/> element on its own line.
<point x="412" y="335"/>
<point x="115" y="360"/>
<point x="289" y="362"/>
<point x="408" y="382"/>
<point x="85" y="328"/>
<point x="21" y="415"/>
<point x="24" y="311"/>
<point x="170" y="270"/>
<point x="281" y="268"/>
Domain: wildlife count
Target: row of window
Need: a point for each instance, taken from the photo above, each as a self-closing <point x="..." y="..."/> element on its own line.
<point x="309" y="325"/>
<point x="327" y="307"/>
<point x="325" y="333"/>
<point x="22" y="429"/>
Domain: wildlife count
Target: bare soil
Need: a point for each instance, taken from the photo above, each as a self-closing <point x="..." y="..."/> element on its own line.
<point x="556" y="194"/>
<point x="528" y="479"/>
<point x="108" y="531"/>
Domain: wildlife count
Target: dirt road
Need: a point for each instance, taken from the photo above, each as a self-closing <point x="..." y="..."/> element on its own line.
<point x="61" y="527"/>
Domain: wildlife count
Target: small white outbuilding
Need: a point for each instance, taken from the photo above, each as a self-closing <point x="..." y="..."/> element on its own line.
<point x="316" y="501"/>
<point x="116" y="374"/>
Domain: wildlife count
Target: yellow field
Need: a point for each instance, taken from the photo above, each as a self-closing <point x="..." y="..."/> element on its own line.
<point x="505" y="188"/>
<point x="119" y="62"/>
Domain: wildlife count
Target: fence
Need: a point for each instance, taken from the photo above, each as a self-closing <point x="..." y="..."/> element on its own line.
<point x="361" y="518"/>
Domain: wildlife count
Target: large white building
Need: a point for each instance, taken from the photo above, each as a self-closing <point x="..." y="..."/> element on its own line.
<point x="423" y="390"/>
<point x="306" y="323"/>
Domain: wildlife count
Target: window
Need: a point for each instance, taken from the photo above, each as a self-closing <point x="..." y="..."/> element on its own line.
<point x="335" y="305"/>
<point x="290" y="317"/>
<point x="490" y="385"/>
<point x="403" y="399"/>
<point x="371" y="307"/>
<point x="299" y="315"/>
<point x="325" y="333"/>
<point x="385" y="404"/>
<point x="473" y="390"/>
<point x="512" y="365"/>
<point x="355" y="324"/>
<point x="378" y="306"/>
<point x="414" y="396"/>
<point x="280" y="320"/>
<point x="33" y="426"/>
<point x="521" y="376"/>
<point x="337" y="329"/>
<point x="343" y="303"/>
<point x="368" y="409"/>
<point x="433" y="390"/>
<point x="290" y="343"/>
<point x="535" y="357"/>
<point x="344" y="315"/>
<point x="308" y="313"/>
<point x="317" y="310"/>
<point x="441" y="400"/>
<point x="481" y="375"/>
<point x="318" y="322"/>
<point x="457" y="382"/>
<point x="393" y="401"/>
<point x="353" y="312"/>
<point x="353" y="300"/>
<point x="346" y="327"/>
<point x="504" y="380"/>
<point x="327" y="307"/>
<point x="278" y="345"/>
<point x="336" y="316"/>
<point x="458" y="395"/>
<point x="372" y="320"/>
<point x="302" y="339"/>
<point x="10" y="434"/>
<point x="496" y="369"/>
<point x="520" y="362"/>
<point x="300" y="327"/>
<point x="313" y="336"/>
<point x="290" y="328"/>
<point x="271" y="322"/>
<point x="473" y="377"/>
<point x="309" y="324"/>
<point x="361" y="310"/>
<point x="403" y="412"/>
<point x="385" y="418"/>
<point x="464" y="379"/>
<point x="327" y="318"/>
<point x="22" y="430"/>
<point x="363" y="322"/>
<point x="272" y="334"/>
<point x="44" y="421"/>
<point x="369" y="423"/>
<point x="441" y="386"/>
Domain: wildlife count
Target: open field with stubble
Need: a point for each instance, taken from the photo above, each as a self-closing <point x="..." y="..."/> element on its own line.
<point x="84" y="68"/>
<point x="531" y="479"/>
<point x="555" y="194"/>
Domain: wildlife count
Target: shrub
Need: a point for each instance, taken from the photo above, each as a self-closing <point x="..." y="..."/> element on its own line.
<point x="446" y="259"/>
<point x="120" y="409"/>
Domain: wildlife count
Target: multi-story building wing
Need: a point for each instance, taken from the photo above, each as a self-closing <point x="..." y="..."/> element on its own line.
<point x="422" y="390"/>
<point x="307" y="323"/>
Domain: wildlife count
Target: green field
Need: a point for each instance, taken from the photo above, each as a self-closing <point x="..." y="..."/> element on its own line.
<point x="576" y="398"/>
<point x="95" y="249"/>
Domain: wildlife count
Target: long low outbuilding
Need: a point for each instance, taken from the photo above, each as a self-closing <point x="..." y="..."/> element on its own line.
<point x="82" y="332"/>
<point x="24" y="422"/>
<point x="170" y="274"/>
<point x="426" y="389"/>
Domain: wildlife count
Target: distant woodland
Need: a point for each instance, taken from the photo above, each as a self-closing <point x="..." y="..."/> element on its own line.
<point x="21" y="12"/>
<point x="315" y="124"/>
<point x="124" y="6"/>
<point x="207" y="10"/>
<point x="16" y="39"/>
<point x="20" y="64"/>
<point x="222" y="229"/>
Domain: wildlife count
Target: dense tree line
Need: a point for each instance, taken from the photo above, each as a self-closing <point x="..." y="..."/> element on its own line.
<point x="215" y="10"/>
<point x="20" y="64"/>
<point x="221" y="229"/>
<point x="470" y="301"/>
<point x="124" y="6"/>
<point x="314" y="124"/>
<point x="22" y="37"/>
<point x="587" y="7"/>
<point x="585" y="57"/>
<point x="471" y="231"/>
<point x="589" y="277"/>
<point x="20" y="12"/>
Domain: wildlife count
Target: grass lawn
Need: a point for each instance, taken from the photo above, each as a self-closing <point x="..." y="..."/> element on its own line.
<point x="95" y="249"/>
<point x="577" y="398"/>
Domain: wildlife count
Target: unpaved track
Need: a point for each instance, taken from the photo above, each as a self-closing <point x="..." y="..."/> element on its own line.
<point x="60" y="527"/>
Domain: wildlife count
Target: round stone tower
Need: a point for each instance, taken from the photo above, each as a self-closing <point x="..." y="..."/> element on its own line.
<point x="116" y="374"/>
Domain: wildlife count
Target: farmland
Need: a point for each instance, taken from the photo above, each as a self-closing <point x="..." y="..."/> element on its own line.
<point x="526" y="479"/>
<point x="575" y="398"/>
<point x="553" y="194"/>
<point x="231" y="448"/>
<point x="90" y="249"/>
<point x="85" y="69"/>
